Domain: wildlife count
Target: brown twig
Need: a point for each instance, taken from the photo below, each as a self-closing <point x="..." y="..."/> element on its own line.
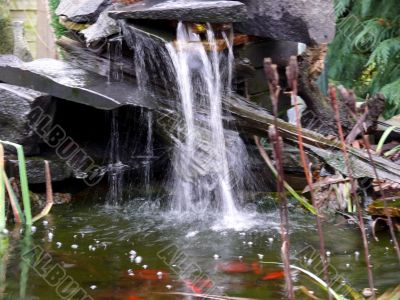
<point x="332" y="95"/>
<point x="49" y="193"/>
<point x="272" y="76"/>
<point x="11" y="194"/>
<point x="349" y="97"/>
<point x="389" y="218"/>
<point x="292" y="73"/>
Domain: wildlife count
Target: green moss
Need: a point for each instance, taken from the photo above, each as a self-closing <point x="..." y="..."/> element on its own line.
<point x="59" y="30"/>
<point x="6" y="37"/>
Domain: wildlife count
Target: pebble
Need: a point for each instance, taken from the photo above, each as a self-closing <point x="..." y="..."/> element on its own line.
<point x="138" y="259"/>
<point x="74" y="246"/>
<point x="45" y="223"/>
<point x="33" y="228"/>
<point x="50" y="236"/>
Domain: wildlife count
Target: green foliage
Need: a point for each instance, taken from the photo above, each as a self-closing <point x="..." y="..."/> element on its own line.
<point x="59" y="30"/>
<point x="365" y="53"/>
<point x="7" y="40"/>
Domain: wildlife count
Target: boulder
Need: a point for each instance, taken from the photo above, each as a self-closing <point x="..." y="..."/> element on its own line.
<point x="16" y="106"/>
<point x="82" y="11"/>
<point x="306" y="21"/>
<point x="35" y="170"/>
<point x="190" y="11"/>
<point x="64" y="80"/>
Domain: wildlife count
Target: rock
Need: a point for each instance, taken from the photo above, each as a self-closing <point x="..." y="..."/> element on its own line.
<point x="303" y="21"/>
<point x="16" y="105"/>
<point x="58" y="198"/>
<point x="65" y="81"/>
<point x="104" y="27"/>
<point x="190" y="11"/>
<point x="35" y="170"/>
<point x="82" y="11"/>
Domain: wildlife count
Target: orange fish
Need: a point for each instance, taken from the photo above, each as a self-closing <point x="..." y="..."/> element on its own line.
<point x="133" y="297"/>
<point x="235" y="267"/>
<point x="195" y="289"/>
<point x="256" y="268"/>
<point x="274" y="275"/>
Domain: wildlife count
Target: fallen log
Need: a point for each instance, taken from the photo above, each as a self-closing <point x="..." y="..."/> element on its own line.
<point x="252" y="119"/>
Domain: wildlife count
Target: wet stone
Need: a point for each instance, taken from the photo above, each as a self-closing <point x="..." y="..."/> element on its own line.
<point x="16" y="106"/>
<point x="191" y="11"/>
<point x="35" y="170"/>
<point x="81" y="11"/>
<point x="66" y="81"/>
<point x="306" y="21"/>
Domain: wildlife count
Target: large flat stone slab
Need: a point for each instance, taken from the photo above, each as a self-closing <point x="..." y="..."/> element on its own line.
<point x="82" y="11"/>
<point x="191" y="11"/>
<point x="64" y="80"/>
<point x="306" y="21"/>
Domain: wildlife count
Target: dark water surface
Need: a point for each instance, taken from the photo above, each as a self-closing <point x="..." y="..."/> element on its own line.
<point x="193" y="255"/>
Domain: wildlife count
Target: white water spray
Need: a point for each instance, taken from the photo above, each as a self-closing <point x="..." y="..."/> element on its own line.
<point x="202" y="176"/>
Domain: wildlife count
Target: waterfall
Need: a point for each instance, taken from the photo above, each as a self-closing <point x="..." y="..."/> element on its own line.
<point x="115" y="167"/>
<point x="149" y="152"/>
<point x="203" y="179"/>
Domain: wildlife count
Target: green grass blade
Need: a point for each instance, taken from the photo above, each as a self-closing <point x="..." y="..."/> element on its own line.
<point x="384" y="137"/>
<point x="23" y="180"/>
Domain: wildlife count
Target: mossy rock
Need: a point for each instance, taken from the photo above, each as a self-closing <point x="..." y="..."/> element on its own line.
<point x="377" y="208"/>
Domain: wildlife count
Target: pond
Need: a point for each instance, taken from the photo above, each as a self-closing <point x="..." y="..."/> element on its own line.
<point x="137" y="252"/>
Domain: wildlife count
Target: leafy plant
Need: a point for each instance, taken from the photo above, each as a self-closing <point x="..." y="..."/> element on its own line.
<point x="59" y="30"/>
<point x="366" y="50"/>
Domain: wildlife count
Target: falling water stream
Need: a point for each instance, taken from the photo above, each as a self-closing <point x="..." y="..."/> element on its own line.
<point x="149" y="152"/>
<point x="115" y="166"/>
<point x="203" y="177"/>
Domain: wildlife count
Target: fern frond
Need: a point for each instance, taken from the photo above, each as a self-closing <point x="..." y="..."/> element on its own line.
<point x="392" y="94"/>
<point x="341" y="7"/>
<point x="386" y="49"/>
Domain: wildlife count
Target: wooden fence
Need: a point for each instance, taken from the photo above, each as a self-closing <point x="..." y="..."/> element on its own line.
<point x="38" y="32"/>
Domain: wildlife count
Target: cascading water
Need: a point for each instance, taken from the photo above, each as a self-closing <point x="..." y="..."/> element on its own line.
<point x="149" y="152"/>
<point x="202" y="174"/>
<point x="115" y="166"/>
